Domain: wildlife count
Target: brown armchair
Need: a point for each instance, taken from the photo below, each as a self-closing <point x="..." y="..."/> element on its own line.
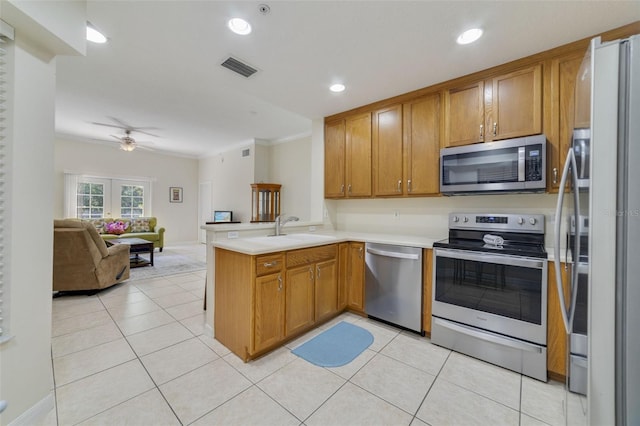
<point x="82" y="260"/>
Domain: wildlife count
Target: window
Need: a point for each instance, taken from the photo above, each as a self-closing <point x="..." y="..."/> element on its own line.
<point x="131" y="201"/>
<point x="90" y="200"/>
<point x="88" y="197"/>
<point x="6" y="75"/>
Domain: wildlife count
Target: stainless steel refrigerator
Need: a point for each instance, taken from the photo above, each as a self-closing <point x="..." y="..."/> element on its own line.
<point x="602" y="315"/>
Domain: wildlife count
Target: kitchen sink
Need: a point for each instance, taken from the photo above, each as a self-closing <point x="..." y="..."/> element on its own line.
<point x="279" y="240"/>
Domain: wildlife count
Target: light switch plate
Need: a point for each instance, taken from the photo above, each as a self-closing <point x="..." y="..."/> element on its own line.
<point x="232" y="234"/>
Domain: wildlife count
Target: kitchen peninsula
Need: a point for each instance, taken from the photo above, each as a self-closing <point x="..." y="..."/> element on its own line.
<point x="269" y="290"/>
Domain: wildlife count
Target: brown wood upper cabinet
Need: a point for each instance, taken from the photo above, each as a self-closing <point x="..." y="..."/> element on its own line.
<point x="505" y="106"/>
<point x="348" y="157"/>
<point x="562" y="108"/>
<point x="406" y="147"/>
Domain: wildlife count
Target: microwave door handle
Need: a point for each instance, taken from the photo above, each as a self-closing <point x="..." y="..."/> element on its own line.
<point x="558" y="223"/>
<point x="521" y="159"/>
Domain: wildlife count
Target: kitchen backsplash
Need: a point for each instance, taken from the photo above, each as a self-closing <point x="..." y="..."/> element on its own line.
<point x="429" y="216"/>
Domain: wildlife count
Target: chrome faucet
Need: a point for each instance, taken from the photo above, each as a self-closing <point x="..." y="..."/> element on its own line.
<point x="281" y="221"/>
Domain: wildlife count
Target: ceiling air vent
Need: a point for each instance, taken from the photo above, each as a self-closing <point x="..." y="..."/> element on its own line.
<point x="239" y="67"/>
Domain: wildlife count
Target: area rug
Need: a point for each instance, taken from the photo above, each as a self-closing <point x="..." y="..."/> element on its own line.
<point x="335" y="347"/>
<point x="167" y="263"/>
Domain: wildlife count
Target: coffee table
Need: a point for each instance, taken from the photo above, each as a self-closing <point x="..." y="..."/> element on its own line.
<point x="137" y="246"/>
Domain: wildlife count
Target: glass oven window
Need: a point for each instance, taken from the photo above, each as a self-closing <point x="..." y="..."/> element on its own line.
<point x="509" y="291"/>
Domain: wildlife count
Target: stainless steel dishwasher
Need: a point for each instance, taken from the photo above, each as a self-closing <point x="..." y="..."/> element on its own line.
<point x="393" y="284"/>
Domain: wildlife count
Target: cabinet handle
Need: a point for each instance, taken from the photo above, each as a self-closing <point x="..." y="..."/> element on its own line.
<point x="481" y="131"/>
<point x="310" y="274"/>
<point x="399" y="185"/>
<point x="495" y="129"/>
<point x="270" y="264"/>
<point x="555" y="175"/>
<point x="318" y="272"/>
<point x="279" y="282"/>
<point x="409" y="185"/>
<point x="349" y="188"/>
<point x="342" y="188"/>
<point x="360" y="252"/>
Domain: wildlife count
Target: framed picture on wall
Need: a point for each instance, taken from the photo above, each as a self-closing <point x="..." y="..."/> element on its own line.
<point x="175" y="194"/>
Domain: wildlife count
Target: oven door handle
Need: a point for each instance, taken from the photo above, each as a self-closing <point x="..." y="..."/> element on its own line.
<point x="393" y="254"/>
<point x="489" y="337"/>
<point x="491" y="258"/>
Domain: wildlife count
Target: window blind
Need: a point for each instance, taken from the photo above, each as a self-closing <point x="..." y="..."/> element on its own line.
<point x="4" y="186"/>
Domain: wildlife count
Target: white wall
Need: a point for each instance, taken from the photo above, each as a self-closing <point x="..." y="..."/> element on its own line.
<point x="25" y="361"/>
<point x="289" y="166"/>
<point x="428" y="216"/>
<point x="231" y="176"/>
<point x="179" y="219"/>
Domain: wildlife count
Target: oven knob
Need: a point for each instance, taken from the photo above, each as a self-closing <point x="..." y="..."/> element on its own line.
<point x="520" y="220"/>
<point x="465" y="220"/>
<point x="456" y="219"/>
<point x="532" y="220"/>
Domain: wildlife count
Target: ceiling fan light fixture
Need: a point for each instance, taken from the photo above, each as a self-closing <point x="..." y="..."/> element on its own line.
<point x="469" y="36"/>
<point x="94" y="35"/>
<point x="239" y="26"/>
<point x="128" y="146"/>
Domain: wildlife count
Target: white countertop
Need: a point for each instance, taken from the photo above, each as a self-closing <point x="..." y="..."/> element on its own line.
<point x="292" y="241"/>
<point x="263" y="244"/>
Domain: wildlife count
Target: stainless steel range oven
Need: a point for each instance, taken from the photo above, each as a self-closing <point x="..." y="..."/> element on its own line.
<point x="490" y="290"/>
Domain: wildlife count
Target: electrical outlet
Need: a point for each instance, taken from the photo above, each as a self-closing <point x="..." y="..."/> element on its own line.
<point x="326" y="213"/>
<point x="312" y="229"/>
<point x="232" y="234"/>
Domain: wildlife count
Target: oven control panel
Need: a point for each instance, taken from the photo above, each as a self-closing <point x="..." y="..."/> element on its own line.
<point x="530" y="223"/>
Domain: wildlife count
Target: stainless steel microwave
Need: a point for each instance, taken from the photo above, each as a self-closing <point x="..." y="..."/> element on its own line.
<point x="512" y="165"/>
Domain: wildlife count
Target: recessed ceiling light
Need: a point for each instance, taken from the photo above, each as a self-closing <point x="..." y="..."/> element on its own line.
<point x="337" y="88"/>
<point x="469" y="36"/>
<point x="94" y="35"/>
<point x="239" y="26"/>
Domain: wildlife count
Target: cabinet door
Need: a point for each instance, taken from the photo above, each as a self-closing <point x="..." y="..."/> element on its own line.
<point x="326" y="289"/>
<point x="556" y="334"/>
<point x="464" y="115"/>
<point x="358" y="147"/>
<point x="564" y="72"/>
<point x="299" y="299"/>
<point x="427" y="276"/>
<point x="334" y="159"/>
<point x="387" y="152"/>
<point x="422" y="145"/>
<point x="515" y="104"/>
<point x="343" y="272"/>
<point x="269" y="311"/>
<point x="355" y="280"/>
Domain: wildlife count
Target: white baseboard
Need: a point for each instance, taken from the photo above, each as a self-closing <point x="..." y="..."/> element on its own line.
<point x="36" y="413"/>
<point x="208" y="330"/>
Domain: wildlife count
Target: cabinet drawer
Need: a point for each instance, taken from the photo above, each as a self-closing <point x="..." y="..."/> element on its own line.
<point x="311" y="255"/>
<point x="268" y="264"/>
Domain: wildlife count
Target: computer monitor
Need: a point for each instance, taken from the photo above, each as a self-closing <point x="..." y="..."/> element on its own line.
<point x="222" y="216"/>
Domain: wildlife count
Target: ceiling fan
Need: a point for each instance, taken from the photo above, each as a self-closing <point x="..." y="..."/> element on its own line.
<point x="127" y="143"/>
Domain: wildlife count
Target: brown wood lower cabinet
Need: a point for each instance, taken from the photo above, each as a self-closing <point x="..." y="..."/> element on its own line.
<point x="556" y="334"/>
<point x="299" y="299"/>
<point x="262" y="301"/>
<point x="269" y="311"/>
<point x="355" y="278"/>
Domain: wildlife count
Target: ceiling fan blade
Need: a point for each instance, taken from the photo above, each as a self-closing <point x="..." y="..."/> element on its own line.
<point x="108" y="125"/>
<point x="120" y="122"/>
<point x="116" y="137"/>
<point x="137" y="130"/>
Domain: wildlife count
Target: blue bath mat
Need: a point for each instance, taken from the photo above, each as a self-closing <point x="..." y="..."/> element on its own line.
<point x="335" y="347"/>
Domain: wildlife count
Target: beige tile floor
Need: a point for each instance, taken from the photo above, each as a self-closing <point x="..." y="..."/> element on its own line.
<point x="139" y="354"/>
